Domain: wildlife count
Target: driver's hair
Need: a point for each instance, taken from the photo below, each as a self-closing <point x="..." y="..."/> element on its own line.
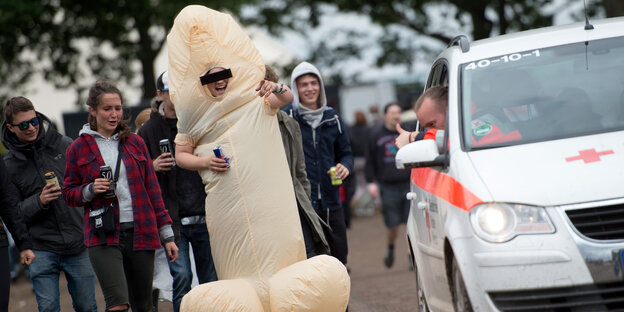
<point x="438" y="94"/>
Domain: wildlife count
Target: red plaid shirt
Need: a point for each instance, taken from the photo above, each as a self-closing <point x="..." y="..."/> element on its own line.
<point x="83" y="167"/>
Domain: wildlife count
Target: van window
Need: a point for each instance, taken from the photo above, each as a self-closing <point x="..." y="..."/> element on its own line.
<point x="543" y="94"/>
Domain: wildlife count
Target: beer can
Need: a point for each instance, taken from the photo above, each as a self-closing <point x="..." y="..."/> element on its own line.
<point x="165" y="147"/>
<point x="217" y="151"/>
<point x="219" y="154"/>
<point x="107" y="173"/>
<point x="334" y="176"/>
<point x="51" y="177"/>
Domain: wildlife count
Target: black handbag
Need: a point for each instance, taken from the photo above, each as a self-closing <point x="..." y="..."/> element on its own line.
<point x="103" y="219"/>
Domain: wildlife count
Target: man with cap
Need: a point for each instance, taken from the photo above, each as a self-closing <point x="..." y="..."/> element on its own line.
<point x="183" y="195"/>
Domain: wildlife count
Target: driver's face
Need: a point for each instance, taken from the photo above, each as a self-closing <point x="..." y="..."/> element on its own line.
<point x="430" y="115"/>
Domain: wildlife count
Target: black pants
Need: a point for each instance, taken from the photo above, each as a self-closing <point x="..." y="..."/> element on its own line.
<point x="336" y="235"/>
<point x="125" y="275"/>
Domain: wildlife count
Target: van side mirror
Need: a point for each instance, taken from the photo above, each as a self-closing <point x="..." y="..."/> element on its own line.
<point x="423" y="153"/>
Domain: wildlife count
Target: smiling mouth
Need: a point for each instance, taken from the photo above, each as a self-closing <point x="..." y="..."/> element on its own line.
<point x="220" y="89"/>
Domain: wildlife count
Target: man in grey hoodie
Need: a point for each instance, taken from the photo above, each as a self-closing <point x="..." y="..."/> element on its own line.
<point x="325" y="145"/>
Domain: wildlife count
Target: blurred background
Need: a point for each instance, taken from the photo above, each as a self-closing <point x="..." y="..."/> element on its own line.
<point x="370" y="52"/>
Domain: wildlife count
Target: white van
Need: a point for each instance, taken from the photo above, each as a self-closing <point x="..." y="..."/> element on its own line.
<point x="532" y="221"/>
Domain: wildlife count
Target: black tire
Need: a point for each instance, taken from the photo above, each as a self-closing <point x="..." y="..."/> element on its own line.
<point x="461" y="302"/>
<point x="420" y="294"/>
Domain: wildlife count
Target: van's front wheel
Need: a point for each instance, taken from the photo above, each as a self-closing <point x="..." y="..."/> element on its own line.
<point x="461" y="302"/>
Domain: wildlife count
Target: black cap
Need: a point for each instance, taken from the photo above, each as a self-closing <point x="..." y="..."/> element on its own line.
<point x="162" y="83"/>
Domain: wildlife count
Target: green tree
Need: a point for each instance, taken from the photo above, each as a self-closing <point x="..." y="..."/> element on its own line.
<point x="117" y="39"/>
<point x="404" y="24"/>
<point x="613" y="8"/>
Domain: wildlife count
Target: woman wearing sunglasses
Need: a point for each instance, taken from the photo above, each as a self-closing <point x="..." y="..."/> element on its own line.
<point x="125" y="218"/>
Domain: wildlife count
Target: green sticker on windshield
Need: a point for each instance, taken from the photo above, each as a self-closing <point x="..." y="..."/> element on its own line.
<point x="482" y="130"/>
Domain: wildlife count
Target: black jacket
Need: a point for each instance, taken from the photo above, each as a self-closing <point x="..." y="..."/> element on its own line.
<point x="380" y="157"/>
<point x="56" y="227"/>
<point x="10" y="213"/>
<point x="182" y="190"/>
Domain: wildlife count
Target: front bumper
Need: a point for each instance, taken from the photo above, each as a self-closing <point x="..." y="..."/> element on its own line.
<point x="563" y="271"/>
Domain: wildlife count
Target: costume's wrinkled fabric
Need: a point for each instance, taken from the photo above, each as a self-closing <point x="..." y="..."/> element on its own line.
<point x="251" y="212"/>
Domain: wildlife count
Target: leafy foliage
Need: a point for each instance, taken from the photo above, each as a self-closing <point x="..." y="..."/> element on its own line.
<point x="116" y="39"/>
<point x="69" y="40"/>
<point x="410" y="28"/>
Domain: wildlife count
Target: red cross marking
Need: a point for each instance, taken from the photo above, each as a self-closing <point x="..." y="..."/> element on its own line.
<point x="589" y="155"/>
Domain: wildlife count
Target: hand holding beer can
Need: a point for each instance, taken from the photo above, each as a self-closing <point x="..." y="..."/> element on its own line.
<point x="50" y="176"/>
<point x="335" y="180"/>
<point x="218" y="153"/>
<point x="107" y="173"/>
<point x="165" y="147"/>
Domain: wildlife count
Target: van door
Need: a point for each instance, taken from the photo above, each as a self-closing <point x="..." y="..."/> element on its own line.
<point x="428" y="211"/>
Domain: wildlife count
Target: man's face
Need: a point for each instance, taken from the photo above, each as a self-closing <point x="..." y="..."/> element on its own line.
<point x="29" y="134"/>
<point x="166" y="102"/>
<point x="392" y="116"/>
<point x="217" y="88"/>
<point x="309" y="89"/>
<point x="430" y="115"/>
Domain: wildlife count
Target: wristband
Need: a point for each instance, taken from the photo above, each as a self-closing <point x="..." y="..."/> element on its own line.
<point x="281" y="89"/>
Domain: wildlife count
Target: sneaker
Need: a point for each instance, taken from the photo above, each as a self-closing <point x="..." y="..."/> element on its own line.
<point x="389" y="259"/>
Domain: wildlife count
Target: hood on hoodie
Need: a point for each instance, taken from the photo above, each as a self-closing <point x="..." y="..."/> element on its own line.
<point x="302" y="69"/>
<point x="11" y="142"/>
<point x="86" y="129"/>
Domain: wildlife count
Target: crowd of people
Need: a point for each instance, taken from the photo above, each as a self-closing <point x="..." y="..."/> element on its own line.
<point x="106" y="206"/>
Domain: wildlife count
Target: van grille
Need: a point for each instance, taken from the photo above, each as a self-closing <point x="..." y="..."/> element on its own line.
<point x="603" y="297"/>
<point x="599" y="223"/>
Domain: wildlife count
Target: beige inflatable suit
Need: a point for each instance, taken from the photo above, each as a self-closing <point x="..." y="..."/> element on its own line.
<point x="251" y="213"/>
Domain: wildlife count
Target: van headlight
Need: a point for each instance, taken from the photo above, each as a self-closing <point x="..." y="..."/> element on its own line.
<point x="500" y="222"/>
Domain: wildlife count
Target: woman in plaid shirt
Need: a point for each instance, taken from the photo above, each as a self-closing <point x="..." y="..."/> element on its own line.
<point x="122" y="231"/>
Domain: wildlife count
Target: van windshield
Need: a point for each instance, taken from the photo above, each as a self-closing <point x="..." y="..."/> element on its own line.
<point x="543" y="94"/>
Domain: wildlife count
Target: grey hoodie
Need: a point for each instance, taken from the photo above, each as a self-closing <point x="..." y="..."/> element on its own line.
<point x="108" y="149"/>
<point x="312" y="116"/>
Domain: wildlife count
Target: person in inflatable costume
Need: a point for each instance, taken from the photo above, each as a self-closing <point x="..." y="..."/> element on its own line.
<point x="251" y="212"/>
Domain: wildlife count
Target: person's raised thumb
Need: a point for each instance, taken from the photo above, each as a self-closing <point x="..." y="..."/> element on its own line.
<point x="399" y="129"/>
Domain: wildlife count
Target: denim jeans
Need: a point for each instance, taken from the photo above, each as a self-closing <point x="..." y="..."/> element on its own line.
<point x="44" y="275"/>
<point x="197" y="236"/>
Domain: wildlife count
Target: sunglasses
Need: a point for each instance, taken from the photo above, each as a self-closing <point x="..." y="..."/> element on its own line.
<point x="24" y="124"/>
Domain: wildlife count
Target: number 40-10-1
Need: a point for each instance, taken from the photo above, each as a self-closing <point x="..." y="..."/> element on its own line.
<point x="502" y="59"/>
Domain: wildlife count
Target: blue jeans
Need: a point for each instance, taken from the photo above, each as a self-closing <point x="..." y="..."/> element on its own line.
<point x="197" y="236"/>
<point x="44" y="275"/>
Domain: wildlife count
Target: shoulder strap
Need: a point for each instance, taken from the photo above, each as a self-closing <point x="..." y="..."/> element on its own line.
<point x="119" y="149"/>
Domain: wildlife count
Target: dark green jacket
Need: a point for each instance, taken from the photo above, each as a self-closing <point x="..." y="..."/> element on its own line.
<point x="291" y="137"/>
